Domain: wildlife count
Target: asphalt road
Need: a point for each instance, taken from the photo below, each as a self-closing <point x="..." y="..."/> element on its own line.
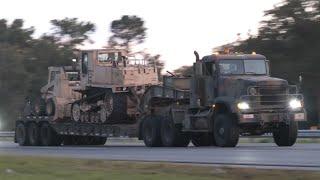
<point x="300" y="156"/>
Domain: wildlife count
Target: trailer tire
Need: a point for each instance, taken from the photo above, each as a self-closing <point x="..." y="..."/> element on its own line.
<point x="171" y="134"/>
<point x="119" y="111"/>
<point x="48" y="137"/>
<point x="100" y="140"/>
<point x="286" y="135"/>
<point x="226" y="130"/>
<point x="50" y="107"/>
<point x="21" y="134"/>
<point x="151" y="131"/>
<point x="203" y="139"/>
<point x="33" y="134"/>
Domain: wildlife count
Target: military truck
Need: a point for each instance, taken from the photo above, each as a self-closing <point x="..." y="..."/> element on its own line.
<point x="227" y="96"/>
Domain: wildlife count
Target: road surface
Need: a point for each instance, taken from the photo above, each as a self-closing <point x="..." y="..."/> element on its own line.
<point x="265" y="155"/>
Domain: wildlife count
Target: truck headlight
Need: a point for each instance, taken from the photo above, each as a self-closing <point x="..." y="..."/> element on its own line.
<point x="295" y="104"/>
<point x="243" y="106"/>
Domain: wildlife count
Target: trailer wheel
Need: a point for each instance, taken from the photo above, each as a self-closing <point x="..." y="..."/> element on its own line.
<point x="203" y="139"/>
<point x="33" y="134"/>
<point x="119" y="110"/>
<point x="48" y="137"/>
<point x="22" y="135"/>
<point x="171" y="135"/>
<point x="100" y="140"/>
<point x="286" y="135"/>
<point x="50" y="107"/>
<point x="151" y="131"/>
<point x="40" y="107"/>
<point x="76" y="112"/>
<point x="226" y="130"/>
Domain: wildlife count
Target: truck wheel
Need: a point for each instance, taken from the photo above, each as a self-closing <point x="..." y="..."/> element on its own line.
<point x="50" y="107"/>
<point x="40" y="107"/>
<point x="151" y="131"/>
<point x="75" y="112"/>
<point x="226" y="130"/>
<point x="203" y="139"/>
<point x="33" y="134"/>
<point x="286" y="135"/>
<point x="171" y="135"/>
<point x="21" y="135"/>
<point x="47" y="136"/>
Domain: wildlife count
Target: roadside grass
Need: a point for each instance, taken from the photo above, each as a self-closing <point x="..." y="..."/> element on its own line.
<point x="36" y="168"/>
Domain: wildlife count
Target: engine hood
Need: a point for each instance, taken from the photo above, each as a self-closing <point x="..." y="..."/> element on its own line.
<point x="259" y="80"/>
<point x="237" y="85"/>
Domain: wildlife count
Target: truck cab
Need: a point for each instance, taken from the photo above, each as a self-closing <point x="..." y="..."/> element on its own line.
<point x="239" y="88"/>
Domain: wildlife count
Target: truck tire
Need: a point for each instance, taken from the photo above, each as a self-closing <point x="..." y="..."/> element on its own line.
<point x="226" y="130"/>
<point x="21" y="135"/>
<point x="48" y="137"/>
<point x="203" y="139"/>
<point x="286" y="135"/>
<point x="33" y="134"/>
<point x="151" y="131"/>
<point x="50" y="107"/>
<point x="171" y="135"/>
<point x="40" y="107"/>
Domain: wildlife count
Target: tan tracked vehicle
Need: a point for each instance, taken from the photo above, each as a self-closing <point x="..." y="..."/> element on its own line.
<point x="110" y="84"/>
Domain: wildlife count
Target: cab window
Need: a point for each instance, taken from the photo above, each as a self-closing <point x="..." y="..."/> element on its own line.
<point x="53" y="75"/>
<point x="209" y="68"/>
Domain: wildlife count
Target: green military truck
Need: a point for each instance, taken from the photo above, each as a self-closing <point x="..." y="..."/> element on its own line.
<point x="227" y="96"/>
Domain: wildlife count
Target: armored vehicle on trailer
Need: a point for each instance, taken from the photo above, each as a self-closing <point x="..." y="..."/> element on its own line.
<point x="227" y="96"/>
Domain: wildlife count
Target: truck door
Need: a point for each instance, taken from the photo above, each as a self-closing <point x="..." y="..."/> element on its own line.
<point x="209" y="83"/>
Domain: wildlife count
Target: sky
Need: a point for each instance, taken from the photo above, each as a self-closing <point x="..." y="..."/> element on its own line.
<point x="175" y="28"/>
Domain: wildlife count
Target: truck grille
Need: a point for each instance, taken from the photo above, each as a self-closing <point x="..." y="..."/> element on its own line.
<point x="273" y="95"/>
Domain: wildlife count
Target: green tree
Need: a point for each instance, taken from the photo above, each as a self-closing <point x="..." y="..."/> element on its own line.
<point x="127" y="31"/>
<point x="71" y="32"/>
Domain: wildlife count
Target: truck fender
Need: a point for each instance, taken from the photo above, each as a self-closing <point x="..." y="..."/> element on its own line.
<point x="229" y="102"/>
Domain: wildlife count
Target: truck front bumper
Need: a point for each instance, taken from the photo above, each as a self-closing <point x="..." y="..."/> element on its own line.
<point x="274" y="117"/>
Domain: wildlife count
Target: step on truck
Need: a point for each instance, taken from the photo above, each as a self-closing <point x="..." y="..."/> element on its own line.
<point x="227" y="96"/>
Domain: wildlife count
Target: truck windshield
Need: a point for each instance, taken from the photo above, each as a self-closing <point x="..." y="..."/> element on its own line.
<point x="242" y="67"/>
